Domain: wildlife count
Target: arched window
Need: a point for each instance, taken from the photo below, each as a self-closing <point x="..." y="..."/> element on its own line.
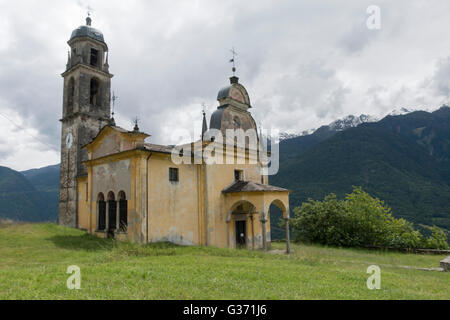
<point x="70" y="95"/>
<point x="112" y="212"/>
<point x="123" y="211"/>
<point x="101" y="212"/>
<point x="94" y="99"/>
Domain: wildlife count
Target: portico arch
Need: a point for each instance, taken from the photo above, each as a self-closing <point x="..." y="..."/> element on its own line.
<point x="237" y="205"/>
<point x="281" y="206"/>
<point x="241" y="228"/>
<point x="285" y="214"/>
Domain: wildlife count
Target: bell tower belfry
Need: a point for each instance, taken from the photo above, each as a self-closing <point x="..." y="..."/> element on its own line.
<point x="86" y="110"/>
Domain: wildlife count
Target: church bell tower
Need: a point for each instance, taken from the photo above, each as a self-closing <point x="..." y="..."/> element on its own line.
<point x="86" y="110"/>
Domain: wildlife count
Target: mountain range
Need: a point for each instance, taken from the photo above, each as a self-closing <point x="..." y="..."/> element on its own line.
<point x="30" y="195"/>
<point x="349" y="121"/>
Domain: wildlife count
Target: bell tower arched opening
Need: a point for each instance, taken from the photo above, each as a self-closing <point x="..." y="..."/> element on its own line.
<point x="94" y="89"/>
<point x="70" y="96"/>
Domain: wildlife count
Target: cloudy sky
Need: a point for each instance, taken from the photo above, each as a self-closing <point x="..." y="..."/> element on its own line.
<point x="304" y="63"/>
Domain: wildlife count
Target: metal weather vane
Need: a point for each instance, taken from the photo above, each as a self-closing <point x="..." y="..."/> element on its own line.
<point x="88" y="19"/>
<point x="203" y="108"/>
<point x="114" y="98"/>
<point x="136" y="124"/>
<point x="233" y="60"/>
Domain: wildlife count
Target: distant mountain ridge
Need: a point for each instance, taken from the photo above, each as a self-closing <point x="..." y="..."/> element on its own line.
<point x="349" y="121"/>
<point x="31" y="195"/>
<point x="44" y="179"/>
<point x="352" y="121"/>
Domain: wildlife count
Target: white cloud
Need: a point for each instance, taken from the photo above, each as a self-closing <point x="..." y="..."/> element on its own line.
<point x="304" y="63"/>
<point x="21" y="147"/>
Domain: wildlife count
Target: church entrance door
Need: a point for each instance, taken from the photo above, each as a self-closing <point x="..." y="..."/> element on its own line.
<point x="241" y="234"/>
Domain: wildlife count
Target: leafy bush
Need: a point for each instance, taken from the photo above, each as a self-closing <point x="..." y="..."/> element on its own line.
<point x="358" y="221"/>
<point x="438" y="238"/>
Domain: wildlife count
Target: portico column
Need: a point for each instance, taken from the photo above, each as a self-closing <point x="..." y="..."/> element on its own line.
<point x="229" y="230"/>
<point x="288" y="236"/>
<point x="264" y="235"/>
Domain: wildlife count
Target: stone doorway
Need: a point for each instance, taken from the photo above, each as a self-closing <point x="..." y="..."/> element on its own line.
<point x="241" y="234"/>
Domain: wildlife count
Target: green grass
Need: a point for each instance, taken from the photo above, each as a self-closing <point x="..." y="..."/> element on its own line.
<point x="34" y="260"/>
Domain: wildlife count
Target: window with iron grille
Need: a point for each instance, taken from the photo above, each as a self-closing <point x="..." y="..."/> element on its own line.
<point x="123" y="215"/>
<point x="101" y="215"/>
<point x="173" y="175"/>
<point x="123" y="211"/>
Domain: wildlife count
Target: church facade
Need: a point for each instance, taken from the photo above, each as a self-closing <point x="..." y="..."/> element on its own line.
<point x="116" y="184"/>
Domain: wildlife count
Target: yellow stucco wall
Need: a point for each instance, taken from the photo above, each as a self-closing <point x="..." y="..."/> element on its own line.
<point x="83" y="204"/>
<point x="218" y="177"/>
<point x="173" y="206"/>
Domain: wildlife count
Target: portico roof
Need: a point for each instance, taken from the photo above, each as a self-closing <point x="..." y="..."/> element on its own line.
<point x="250" y="186"/>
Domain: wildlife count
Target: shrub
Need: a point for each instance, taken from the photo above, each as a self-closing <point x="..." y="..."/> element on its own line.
<point x="437" y="239"/>
<point x="358" y="221"/>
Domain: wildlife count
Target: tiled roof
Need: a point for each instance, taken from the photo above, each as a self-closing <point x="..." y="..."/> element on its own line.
<point x="158" y="148"/>
<point x="250" y="186"/>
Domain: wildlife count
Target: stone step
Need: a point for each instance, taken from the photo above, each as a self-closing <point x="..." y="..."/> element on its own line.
<point x="445" y="264"/>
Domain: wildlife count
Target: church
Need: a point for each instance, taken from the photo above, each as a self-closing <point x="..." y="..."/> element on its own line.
<point x="115" y="184"/>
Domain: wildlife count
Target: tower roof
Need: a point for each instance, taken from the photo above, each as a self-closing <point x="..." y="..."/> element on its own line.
<point x="234" y="92"/>
<point x="232" y="112"/>
<point x="88" y="31"/>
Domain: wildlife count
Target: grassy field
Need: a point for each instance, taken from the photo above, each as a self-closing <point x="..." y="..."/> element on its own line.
<point x="34" y="261"/>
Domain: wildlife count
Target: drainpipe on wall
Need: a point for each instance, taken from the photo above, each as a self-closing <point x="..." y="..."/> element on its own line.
<point x="146" y="197"/>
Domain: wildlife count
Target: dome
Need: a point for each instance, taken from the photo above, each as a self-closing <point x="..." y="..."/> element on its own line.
<point x="88" y="31"/>
<point x="235" y="92"/>
<point x="216" y="119"/>
<point x="232" y="112"/>
<point x="223" y="93"/>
